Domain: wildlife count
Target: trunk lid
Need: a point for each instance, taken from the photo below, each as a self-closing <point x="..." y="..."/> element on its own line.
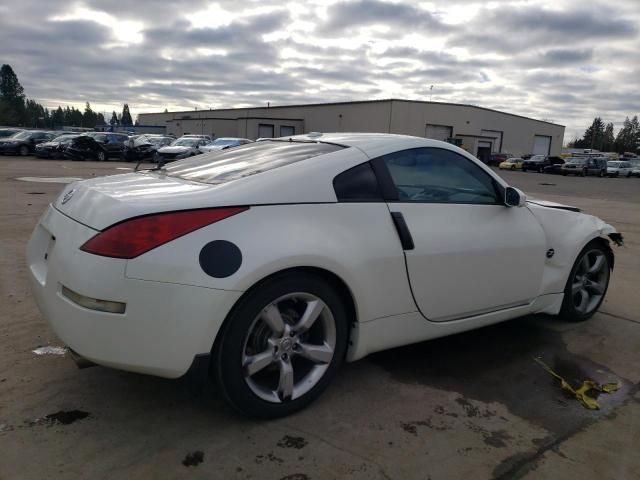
<point x="100" y="202"/>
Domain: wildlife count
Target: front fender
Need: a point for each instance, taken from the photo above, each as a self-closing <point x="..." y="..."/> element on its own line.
<point x="567" y="233"/>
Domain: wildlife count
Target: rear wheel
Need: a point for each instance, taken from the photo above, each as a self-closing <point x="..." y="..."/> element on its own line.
<point x="281" y="346"/>
<point x="513" y="167"/>
<point x="587" y="284"/>
<point x="23" y="151"/>
<point x="101" y="156"/>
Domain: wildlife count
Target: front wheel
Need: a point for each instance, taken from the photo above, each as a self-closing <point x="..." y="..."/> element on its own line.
<point x="281" y="345"/>
<point x="513" y="167"/>
<point x="23" y="151"/>
<point x="587" y="284"/>
<point x="101" y="156"/>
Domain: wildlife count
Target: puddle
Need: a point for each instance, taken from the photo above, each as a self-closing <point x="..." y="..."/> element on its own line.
<point x="495" y="364"/>
<point x="62" y="417"/>
<point x="193" y="459"/>
<point x="49" y="179"/>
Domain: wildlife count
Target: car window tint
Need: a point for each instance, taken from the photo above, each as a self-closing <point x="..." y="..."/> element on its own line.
<point x="227" y="165"/>
<point x="358" y="184"/>
<point x="436" y="175"/>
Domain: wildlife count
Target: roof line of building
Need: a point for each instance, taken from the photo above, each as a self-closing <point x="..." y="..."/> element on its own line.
<point x="362" y="101"/>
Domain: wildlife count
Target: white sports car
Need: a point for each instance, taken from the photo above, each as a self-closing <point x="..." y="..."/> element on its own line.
<point x="271" y="263"/>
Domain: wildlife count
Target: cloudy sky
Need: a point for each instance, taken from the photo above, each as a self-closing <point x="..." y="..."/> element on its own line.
<point x="560" y="60"/>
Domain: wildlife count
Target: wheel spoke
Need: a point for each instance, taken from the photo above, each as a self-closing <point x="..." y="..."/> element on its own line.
<point x="584" y="264"/>
<point x="310" y="315"/>
<point x="584" y="301"/>
<point x="316" y="353"/>
<point x="273" y="318"/>
<point x="254" y="363"/>
<point x="597" y="265"/>
<point x="594" y="287"/>
<point x="576" y="287"/>
<point x="285" y="384"/>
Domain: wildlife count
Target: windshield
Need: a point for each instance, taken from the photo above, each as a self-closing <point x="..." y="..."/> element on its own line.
<point x="21" y="136"/>
<point x="64" y="138"/>
<point x="613" y="164"/>
<point x="185" y="142"/>
<point x="224" y="141"/>
<point x="577" y="161"/>
<point x="246" y="160"/>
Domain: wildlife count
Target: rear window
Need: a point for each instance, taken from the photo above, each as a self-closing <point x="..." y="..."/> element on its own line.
<point x="227" y="165"/>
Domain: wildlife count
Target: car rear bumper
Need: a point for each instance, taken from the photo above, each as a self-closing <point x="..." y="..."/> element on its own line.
<point x="163" y="326"/>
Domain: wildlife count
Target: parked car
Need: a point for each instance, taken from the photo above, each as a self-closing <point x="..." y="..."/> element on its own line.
<point x="8" y="132"/>
<point x="553" y="165"/>
<point x="220" y="263"/>
<point x="224" y="143"/>
<point x="511" y="164"/>
<point x="96" y="146"/>
<point x="189" y="135"/>
<point x="55" y="148"/>
<point x="497" y="158"/>
<point x="24" y="142"/>
<point x="145" y="147"/>
<point x="585" y="166"/>
<point x="635" y="167"/>
<point x="535" y="163"/>
<point x="183" y="147"/>
<point x="619" y="168"/>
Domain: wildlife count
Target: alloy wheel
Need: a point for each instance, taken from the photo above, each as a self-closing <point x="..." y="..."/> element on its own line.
<point x="590" y="280"/>
<point x="288" y="347"/>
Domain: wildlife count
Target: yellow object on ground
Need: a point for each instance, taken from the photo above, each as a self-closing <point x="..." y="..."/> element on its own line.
<point x="581" y="393"/>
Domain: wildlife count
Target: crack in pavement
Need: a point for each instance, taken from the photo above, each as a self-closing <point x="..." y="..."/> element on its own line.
<point x="619" y="317"/>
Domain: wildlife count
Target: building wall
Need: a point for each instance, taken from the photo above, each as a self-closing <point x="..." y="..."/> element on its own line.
<point x="474" y="126"/>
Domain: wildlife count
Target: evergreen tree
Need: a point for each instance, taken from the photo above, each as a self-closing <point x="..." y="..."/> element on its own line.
<point x="593" y="136"/>
<point x="100" y="119"/>
<point x="12" y="107"/>
<point x="57" y="117"/>
<point x="89" y="118"/>
<point x="114" y="119"/>
<point x="608" y="141"/>
<point x="126" y="119"/>
<point x="628" y="139"/>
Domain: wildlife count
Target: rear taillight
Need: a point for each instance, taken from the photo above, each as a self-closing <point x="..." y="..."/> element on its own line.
<point x="134" y="237"/>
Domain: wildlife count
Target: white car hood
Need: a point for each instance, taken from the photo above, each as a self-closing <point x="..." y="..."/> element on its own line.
<point x="175" y="149"/>
<point x="212" y="148"/>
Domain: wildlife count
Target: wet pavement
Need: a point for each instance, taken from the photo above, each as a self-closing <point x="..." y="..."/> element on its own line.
<point x="473" y="405"/>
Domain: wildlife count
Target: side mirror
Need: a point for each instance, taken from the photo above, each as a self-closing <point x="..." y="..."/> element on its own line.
<point x="514" y="197"/>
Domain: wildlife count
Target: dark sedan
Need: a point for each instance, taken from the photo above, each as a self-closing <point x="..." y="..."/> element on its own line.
<point x="56" y="147"/>
<point x="24" y="142"/>
<point x="96" y="146"/>
<point x="547" y="165"/>
<point x="144" y="147"/>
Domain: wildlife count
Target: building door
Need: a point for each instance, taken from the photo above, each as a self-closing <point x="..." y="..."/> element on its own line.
<point x="438" y="132"/>
<point x="541" y="145"/>
<point x="484" y="151"/>
<point x="265" y="130"/>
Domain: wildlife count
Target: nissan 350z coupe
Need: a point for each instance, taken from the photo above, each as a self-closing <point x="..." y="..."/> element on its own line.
<point x="274" y="262"/>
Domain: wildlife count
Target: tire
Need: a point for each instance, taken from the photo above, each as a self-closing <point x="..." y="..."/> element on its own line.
<point x="601" y="174"/>
<point x="156" y="157"/>
<point x="524" y="169"/>
<point x="594" y="285"/>
<point x="23" y="151"/>
<point x="513" y="167"/>
<point x="629" y="175"/>
<point x="101" y="155"/>
<point x="246" y="333"/>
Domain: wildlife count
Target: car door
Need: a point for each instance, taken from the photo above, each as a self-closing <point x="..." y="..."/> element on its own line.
<point x="466" y="252"/>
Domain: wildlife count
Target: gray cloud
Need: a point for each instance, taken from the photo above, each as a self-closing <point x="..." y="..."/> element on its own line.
<point x="349" y="15"/>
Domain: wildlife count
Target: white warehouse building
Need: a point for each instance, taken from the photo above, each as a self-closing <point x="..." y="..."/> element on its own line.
<point x="481" y="131"/>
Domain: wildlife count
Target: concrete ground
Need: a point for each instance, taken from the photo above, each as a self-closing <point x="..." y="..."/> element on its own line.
<point x="474" y="405"/>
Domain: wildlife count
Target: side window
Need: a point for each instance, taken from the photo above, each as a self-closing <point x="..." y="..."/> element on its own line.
<point x="436" y="175"/>
<point x="358" y="184"/>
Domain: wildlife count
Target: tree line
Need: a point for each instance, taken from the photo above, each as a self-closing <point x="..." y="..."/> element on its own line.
<point x="599" y="136"/>
<point x="19" y="111"/>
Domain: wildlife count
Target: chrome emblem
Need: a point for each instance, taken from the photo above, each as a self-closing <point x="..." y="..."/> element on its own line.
<point x="68" y="195"/>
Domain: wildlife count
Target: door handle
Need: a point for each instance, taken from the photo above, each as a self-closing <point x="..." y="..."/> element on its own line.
<point x="403" y="230"/>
